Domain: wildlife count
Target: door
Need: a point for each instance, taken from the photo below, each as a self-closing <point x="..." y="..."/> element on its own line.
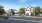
<point x="32" y="14"/>
<point x="27" y="14"/>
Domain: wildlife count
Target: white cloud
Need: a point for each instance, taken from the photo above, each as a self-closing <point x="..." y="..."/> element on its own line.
<point x="22" y="1"/>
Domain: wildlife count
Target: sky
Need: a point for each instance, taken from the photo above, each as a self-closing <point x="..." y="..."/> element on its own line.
<point x="16" y="4"/>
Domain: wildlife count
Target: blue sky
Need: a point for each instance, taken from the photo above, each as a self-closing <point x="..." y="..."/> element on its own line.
<point x="16" y="4"/>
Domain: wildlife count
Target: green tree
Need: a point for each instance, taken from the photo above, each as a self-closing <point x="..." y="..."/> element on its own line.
<point x="1" y="10"/>
<point x="22" y="10"/>
<point x="41" y="10"/>
<point x="37" y="10"/>
<point x="12" y="11"/>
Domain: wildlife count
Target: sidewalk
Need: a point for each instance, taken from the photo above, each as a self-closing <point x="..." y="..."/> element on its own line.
<point x="33" y="16"/>
<point x="25" y="16"/>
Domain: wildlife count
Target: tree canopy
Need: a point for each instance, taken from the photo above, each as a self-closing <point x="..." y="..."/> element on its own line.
<point x="41" y="10"/>
<point x="22" y="10"/>
<point x="12" y="11"/>
<point x="2" y="11"/>
<point x="37" y="10"/>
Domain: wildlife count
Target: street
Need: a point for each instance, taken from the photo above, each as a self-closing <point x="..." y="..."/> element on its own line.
<point x="21" y="20"/>
<point x="15" y="21"/>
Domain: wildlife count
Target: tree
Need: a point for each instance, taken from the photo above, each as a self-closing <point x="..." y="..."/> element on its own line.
<point x="22" y="10"/>
<point x="12" y="11"/>
<point x="41" y="10"/>
<point x="2" y="10"/>
<point x="37" y="10"/>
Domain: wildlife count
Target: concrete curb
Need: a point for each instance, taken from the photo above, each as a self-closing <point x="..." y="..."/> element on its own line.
<point x="33" y="16"/>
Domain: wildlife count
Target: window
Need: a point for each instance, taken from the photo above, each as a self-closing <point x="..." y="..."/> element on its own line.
<point x="30" y="9"/>
<point x="27" y="10"/>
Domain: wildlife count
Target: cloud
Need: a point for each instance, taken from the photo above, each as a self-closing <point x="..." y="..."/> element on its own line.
<point x="22" y="1"/>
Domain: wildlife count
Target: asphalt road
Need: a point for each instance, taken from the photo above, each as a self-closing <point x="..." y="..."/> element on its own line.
<point x="27" y="18"/>
<point x="15" y="21"/>
<point x="21" y="20"/>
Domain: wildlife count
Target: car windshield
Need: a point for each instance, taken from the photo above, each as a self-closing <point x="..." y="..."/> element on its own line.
<point x="20" y="11"/>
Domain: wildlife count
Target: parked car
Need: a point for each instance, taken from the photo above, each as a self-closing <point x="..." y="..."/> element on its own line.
<point x="5" y="17"/>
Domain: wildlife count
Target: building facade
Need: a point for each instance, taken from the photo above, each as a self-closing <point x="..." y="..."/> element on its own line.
<point x="29" y="11"/>
<point x="11" y="10"/>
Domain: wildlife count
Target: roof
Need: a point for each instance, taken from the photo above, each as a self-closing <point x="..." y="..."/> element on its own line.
<point x="29" y="7"/>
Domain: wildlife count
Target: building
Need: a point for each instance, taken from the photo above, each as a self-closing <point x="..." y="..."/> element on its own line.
<point x="29" y="11"/>
<point x="40" y="11"/>
<point x="11" y="10"/>
<point x="8" y="12"/>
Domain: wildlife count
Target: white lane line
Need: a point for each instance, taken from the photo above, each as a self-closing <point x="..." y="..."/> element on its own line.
<point x="25" y="20"/>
